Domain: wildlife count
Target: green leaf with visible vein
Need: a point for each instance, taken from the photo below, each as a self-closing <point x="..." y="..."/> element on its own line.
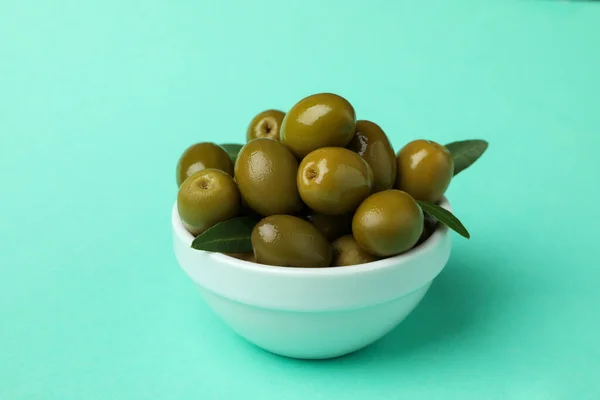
<point x="466" y="152"/>
<point x="445" y="217"/>
<point x="231" y="236"/>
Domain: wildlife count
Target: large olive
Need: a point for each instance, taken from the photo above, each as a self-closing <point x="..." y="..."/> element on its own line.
<point x="319" y="120"/>
<point x="372" y="144"/>
<point x="265" y="171"/>
<point x="201" y="156"/>
<point x="347" y="252"/>
<point x="332" y="226"/>
<point x="206" y="198"/>
<point x="265" y="125"/>
<point x="425" y="169"/>
<point x="388" y="223"/>
<point x="334" y="180"/>
<point x="290" y="241"/>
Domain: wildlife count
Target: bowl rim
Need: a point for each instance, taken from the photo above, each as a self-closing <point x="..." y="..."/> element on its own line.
<point x="430" y="244"/>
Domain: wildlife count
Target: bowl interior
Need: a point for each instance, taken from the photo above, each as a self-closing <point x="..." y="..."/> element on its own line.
<point x="432" y="242"/>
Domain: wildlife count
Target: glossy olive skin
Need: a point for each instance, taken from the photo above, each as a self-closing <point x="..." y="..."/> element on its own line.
<point x="201" y="156"/>
<point x="425" y="169"/>
<point x="388" y="223"/>
<point x="332" y="226"/>
<point x="334" y="180"/>
<point x="265" y="125"/>
<point x="347" y="252"/>
<point x="206" y="198"/>
<point x="319" y="120"/>
<point x="289" y="241"/>
<point x="371" y="143"/>
<point x="265" y="172"/>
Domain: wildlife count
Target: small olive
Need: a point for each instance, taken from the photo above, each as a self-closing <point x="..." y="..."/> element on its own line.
<point x="289" y="241"/>
<point x="425" y="169"/>
<point x="347" y="252"/>
<point x="206" y="198"/>
<point x="332" y="226"/>
<point x="265" y="125"/>
<point x="372" y="144"/>
<point x="202" y="156"/>
<point x="334" y="180"/>
<point x="388" y="223"/>
<point x="319" y="120"/>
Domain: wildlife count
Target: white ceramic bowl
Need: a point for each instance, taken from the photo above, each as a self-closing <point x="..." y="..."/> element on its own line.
<point x="312" y="313"/>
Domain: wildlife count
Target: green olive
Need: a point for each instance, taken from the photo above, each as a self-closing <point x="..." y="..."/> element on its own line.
<point x="372" y="144"/>
<point x="334" y="180"/>
<point x="289" y="241"/>
<point x="347" y="252"/>
<point x="265" y="171"/>
<point x="319" y="120"/>
<point x="332" y="226"/>
<point x="206" y="198"/>
<point x="265" y="125"/>
<point x="388" y="223"/>
<point x="425" y="169"/>
<point x="202" y="156"/>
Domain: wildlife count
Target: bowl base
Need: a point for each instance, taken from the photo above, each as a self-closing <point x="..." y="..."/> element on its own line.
<point x="313" y="335"/>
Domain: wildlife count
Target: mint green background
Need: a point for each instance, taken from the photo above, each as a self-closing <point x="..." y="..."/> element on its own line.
<point x="97" y="100"/>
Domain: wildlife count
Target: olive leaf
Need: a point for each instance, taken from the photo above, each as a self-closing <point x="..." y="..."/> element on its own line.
<point x="231" y="236"/>
<point x="445" y="217"/>
<point x="466" y="152"/>
<point x="232" y="149"/>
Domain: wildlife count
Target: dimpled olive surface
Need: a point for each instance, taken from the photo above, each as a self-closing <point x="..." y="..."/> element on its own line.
<point x="318" y="120"/>
<point x="425" y="169"/>
<point x="373" y="145"/>
<point x="265" y="125"/>
<point x="334" y="180"/>
<point x="265" y="172"/>
<point x="99" y="98"/>
<point x="289" y="241"/>
<point x="205" y="198"/>
<point x="388" y="223"/>
<point x="200" y="156"/>
<point x="347" y="252"/>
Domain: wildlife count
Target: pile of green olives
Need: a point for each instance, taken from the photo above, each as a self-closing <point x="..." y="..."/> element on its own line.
<point x="328" y="189"/>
